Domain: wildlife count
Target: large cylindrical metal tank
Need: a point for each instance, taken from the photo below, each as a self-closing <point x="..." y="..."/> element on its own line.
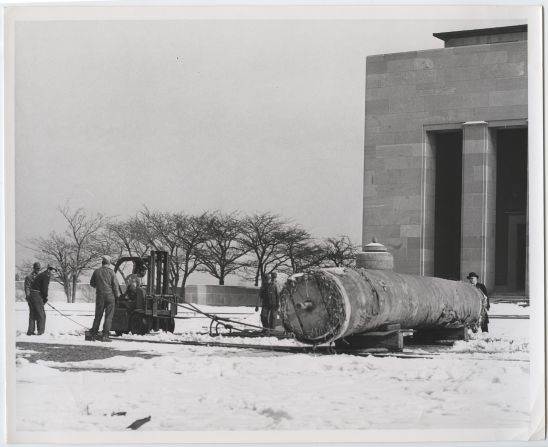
<point x="324" y="305"/>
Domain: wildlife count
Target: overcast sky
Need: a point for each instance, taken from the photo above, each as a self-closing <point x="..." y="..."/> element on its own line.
<point x="199" y="115"/>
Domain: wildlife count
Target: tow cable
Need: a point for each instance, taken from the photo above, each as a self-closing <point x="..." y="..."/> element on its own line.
<point x="228" y="324"/>
<point x="66" y="316"/>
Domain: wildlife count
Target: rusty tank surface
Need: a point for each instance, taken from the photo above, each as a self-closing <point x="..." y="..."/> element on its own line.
<point x="324" y="305"/>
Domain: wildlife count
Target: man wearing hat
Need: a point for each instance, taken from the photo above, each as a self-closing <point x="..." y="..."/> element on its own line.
<point x="473" y="278"/>
<point x="38" y="297"/>
<point x="28" y="281"/>
<point x="104" y="281"/>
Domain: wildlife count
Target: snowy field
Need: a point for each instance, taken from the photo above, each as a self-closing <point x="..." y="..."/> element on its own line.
<point x="104" y="387"/>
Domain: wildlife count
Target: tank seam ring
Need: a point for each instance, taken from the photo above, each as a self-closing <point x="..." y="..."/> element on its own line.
<point x="373" y="289"/>
<point x="344" y="326"/>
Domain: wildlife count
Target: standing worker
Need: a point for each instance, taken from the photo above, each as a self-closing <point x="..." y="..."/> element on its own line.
<point x="104" y="281"/>
<point x="32" y="314"/>
<point x="473" y="278"/>
<point x="38" y="297"/>
<point x="268" y="294"/>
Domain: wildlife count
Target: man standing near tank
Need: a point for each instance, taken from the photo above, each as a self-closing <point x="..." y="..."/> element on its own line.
<point x="270" y="301"/>
<point x="32" y="312"/>
<point x="104" y="281"/>
<point x="474" y="278"/>
<point x="38" y="297"/>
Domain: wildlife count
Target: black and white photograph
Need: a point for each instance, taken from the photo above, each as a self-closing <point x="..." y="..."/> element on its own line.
<point x="273" y="224"/>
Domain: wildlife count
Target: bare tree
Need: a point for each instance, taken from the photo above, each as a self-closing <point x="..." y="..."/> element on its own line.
<point x="110" y="244"/>
<point x="223" y="252"/>
<point x="58" y="251"/>
<point x="126" y="238"/>
<point x="23" y="269"/>
<point x="264" y="235"/>
<point x="306" y="256"/>
<point x="84" y="234"/>
<point x="181" y="235"/>
<point x="158" y="230"/>
<point x="339" y="251"/>
<point x="193" y="232"/>
<point x="296" y="248"/>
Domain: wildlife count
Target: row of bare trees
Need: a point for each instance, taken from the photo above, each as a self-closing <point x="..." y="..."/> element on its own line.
<point x="221" y="244"/>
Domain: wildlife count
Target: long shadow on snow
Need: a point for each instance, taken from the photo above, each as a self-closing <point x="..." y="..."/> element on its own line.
<point x="75" y="353"/>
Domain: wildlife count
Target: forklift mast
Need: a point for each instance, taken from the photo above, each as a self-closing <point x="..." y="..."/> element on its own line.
<point x="158" y="273"/>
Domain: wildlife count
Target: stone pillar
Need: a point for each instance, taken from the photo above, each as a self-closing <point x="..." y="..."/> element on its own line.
<point x="479" y="170"/>
<point x="428" y="200"/>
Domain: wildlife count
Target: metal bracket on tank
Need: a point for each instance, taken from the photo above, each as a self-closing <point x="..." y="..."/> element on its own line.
<point x="305" y="305"/>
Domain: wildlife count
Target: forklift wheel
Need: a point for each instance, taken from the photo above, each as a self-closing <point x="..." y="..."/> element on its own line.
<point x="162" y="324"/>
<point x="167" y="324"/>
<point x="170" y="325"/>
<point x="137" y="324"/>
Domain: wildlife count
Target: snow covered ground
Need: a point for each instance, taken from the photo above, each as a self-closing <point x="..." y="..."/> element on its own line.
<point x="480" y="384"/>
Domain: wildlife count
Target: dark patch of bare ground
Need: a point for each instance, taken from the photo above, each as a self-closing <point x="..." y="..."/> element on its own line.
<point x="74" y="353"/>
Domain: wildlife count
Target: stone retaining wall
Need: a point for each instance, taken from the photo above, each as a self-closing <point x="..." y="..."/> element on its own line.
<point x="211" y="295"/>
<point x="84" y="292"/>
<point x="222" y="295"/>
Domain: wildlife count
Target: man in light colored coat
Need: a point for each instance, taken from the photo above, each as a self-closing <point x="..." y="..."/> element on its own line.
<point x="104" y="281"/>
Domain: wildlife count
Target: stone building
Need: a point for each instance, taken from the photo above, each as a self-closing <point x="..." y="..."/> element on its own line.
<point x="445" y="185"/>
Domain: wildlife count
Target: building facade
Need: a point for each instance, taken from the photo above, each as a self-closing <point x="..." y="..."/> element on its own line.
<point x="445" y="184"/>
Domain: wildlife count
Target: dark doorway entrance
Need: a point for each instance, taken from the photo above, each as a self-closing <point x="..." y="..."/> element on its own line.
<point x="511" y="236"/>
<point x="448" y="204"/>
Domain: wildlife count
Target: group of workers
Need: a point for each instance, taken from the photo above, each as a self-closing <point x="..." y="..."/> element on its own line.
<point x="104" y="281"/>
<point x="107" y="291"/>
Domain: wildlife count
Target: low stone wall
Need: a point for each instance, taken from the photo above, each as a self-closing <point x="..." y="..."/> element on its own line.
<point x="84" y="292"/>
<point x="222" y="295"/>
<point x="207" y="295"/>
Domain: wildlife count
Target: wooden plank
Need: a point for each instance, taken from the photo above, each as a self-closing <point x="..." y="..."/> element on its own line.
<point x="375" y="334"/>
<point x="392" y="340"/>
<point x="390" y="327"/>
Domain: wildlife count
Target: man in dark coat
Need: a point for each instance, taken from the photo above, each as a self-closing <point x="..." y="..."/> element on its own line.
<point x="104" y="281"/>
<point x="38" y="297"/>
<point x="270" y="301"/>
<point x="32" y="313"/>
<point x="473" y="278"/>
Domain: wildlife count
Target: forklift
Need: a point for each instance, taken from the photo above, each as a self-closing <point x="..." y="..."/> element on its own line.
<point x="150" y="306"/>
